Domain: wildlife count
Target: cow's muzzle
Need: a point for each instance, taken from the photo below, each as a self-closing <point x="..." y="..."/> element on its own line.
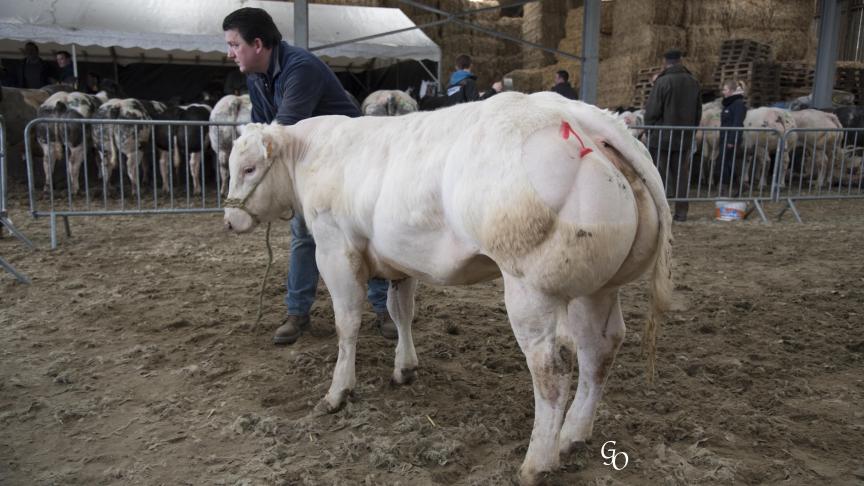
<point x="239" y="221"/>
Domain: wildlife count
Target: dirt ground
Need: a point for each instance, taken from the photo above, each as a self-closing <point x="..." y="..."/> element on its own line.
<point x="131" y="359"/>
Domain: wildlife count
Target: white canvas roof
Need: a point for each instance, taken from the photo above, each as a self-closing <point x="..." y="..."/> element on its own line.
<point x="190" y="31"/>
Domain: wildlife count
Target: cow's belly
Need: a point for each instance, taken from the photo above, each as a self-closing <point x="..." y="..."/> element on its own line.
<point x="435" y="257"/>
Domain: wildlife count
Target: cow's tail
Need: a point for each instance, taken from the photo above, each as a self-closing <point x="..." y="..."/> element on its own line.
<point x="661" y="298"/>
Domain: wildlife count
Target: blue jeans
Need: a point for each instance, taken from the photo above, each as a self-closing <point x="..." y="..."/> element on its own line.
<point x="302" y="281"/>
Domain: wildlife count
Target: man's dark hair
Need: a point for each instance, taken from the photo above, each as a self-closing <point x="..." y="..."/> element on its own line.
<point x="253" y="23"/>
<point x="64" y="54"/>
<point x="564" y="75"/>
<point x="463" y="61"/>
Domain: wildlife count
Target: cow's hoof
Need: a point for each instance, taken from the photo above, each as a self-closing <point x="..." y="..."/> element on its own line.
<point x="570" y="447"/>
<point x="403" y="376"/>
<point x="326" y="405"/>
<point x="531" y="477"/>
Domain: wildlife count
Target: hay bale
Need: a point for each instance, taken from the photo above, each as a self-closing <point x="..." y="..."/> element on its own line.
<point x="649" y="41"/>
<point x="734" y="15"/>
<point x="544" y="24"/>
<point x="526" y="80"/>
<point x="631" y="13"/>
<point x="572" y="43"/>
<point x="616" y="80"/>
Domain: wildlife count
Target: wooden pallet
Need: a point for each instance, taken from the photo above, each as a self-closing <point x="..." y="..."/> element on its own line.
<point x="762" y="80"/>
<point x="644" y="85"/>
<point x="743" y="50"/>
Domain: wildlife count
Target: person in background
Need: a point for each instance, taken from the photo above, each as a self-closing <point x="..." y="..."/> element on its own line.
<point x="562" y="86"/>
<point x="732" y="116"/>
<point x="235" y="83"/>
<point x="288" y="84"/>
<point x="496" y="88"/>
<point x="65" y="70"/>
<point x="462" y="86"/>
<point x="675" y="100"/>
<point x="34" y="72"/>
<point x="91" y="83"/>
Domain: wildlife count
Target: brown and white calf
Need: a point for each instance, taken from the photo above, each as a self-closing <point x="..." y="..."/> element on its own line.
<point x="65" y="139"/>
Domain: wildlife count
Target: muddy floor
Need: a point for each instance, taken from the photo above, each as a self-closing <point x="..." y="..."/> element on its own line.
<point x="131" y="359"/>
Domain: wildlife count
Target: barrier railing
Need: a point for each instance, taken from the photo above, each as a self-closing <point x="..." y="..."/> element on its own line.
<point x="111" y="168"/>
<point x="713" y="163"/>
<point x="822" y="164"/>
<point x="5" y="222"/>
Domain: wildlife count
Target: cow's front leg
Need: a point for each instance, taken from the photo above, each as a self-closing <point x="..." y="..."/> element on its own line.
<point x="195" y="169"/>
<point x="597" y="327"/>
<point x="223" y="170"/>
<point x="400" y="304"/>
<point x="535" y="318"/>
<point x="76" y="158"/>
<point x="345" y="274"/>
<point x="163" y="170"/>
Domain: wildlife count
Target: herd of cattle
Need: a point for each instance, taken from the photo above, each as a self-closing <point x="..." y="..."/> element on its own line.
<point x="187" y="138"/>
<point x="832" y="156"/>
<point x="815" y="141"/>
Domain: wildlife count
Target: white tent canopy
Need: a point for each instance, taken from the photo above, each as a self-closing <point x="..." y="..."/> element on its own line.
<point x="190" y="31"/>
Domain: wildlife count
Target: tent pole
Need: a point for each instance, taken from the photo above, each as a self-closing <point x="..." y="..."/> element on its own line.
<point x="301" y="24"/>
<point x="114" y="62"/>
<point x="75" y="65"/>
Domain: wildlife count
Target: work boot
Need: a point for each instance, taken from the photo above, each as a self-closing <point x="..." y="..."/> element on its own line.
<point x="386" y="326"/>
<point x="291" y="330"/>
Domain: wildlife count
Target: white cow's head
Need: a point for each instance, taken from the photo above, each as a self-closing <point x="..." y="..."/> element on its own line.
<point x="260" y="189"/>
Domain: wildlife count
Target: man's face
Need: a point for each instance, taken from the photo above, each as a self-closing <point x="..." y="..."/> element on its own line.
<point x="62" y="60"/>
<point x="250" y="58"/>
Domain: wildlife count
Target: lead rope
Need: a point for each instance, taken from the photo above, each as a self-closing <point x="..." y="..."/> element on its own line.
<point x="264" y="280"/>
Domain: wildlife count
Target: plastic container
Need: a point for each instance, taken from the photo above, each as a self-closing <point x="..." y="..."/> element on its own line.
<point x="729" y="210"/>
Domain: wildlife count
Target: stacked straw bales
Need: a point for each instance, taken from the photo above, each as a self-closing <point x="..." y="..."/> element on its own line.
<point x="643" y="29"/>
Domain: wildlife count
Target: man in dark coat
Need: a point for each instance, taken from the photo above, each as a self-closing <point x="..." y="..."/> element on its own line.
<point x="287" y="84"/>
<point x="562" y="85"/>
<point x="675" y="100"/>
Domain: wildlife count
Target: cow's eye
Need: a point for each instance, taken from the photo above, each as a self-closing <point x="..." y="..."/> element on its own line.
<point x="249" y="170"/>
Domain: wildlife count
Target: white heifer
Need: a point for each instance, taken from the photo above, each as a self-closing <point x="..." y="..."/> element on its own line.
<point x="388" y="102"/>
<point x="822" y="143"/>
<point x="465" y="194"/>
<point x="230" y="109"/>
<point x="761" y="144"/>
<point x="633" y="118"/>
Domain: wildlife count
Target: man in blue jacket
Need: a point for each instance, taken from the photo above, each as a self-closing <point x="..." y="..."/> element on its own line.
<point x="288" y="84"/>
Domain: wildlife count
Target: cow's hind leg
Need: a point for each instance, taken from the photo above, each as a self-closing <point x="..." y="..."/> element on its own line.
<point x="598" y="329"/>
<point x="345" y="276"/>
<point x="400" y="304"/>
<point x="535" y="317"/>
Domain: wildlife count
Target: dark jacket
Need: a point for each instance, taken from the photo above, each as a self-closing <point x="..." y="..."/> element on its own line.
<point x="33" y="74"/>
<point x="296" y="86"/>
<point x="734" y="111"/>
<point x="675" y="100"/>
<point x="565" y="90"/>
<point x="462" y="88"/>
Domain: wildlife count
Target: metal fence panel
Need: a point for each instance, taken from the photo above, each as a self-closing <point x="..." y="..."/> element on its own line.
<point x="126" y="167"/>
<point x="822" y="164"/>
<point x="5" y="222"/>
